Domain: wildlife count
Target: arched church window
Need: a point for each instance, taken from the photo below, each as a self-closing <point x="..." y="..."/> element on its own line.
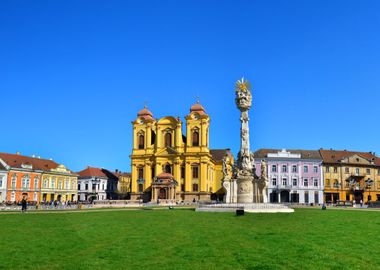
<point x="141" y="141"/>
<point x="168" y="168"/>
<point x="168" y="139"/>
<point x="195" y="138"/>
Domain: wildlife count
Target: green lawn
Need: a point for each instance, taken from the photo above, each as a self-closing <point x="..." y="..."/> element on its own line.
<point x="184" y="239"/>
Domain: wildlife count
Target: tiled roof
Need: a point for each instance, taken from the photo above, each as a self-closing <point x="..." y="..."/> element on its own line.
<point x="15" y="161"/>
<point x="219" y="154"/>
<point x="97" y="172"/>
<point x="335" y="156"/>
<point x="305" y="154"/>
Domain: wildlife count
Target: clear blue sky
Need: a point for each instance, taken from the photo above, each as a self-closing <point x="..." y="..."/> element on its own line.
<point x="73" y="74"/>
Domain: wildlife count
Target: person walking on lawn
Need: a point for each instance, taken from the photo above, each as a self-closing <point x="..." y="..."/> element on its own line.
<point x="23" y="205"/>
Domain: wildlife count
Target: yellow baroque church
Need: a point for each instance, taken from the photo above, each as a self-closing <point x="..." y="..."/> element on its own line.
<point x="168" y="166"/>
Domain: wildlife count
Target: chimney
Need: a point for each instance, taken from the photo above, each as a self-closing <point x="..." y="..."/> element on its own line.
<point x="18" y="153"/>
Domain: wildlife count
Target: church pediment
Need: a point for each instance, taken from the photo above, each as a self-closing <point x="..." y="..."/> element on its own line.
<point x="356" y="159"/>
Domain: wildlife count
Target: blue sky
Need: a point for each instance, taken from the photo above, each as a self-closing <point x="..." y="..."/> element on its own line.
<point x="74" y="74"/>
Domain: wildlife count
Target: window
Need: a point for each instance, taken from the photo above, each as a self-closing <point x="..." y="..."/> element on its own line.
<point x="306" y="197"/>
<point x="274" y="181"/>
<point x="23" y="182"/>
<point x="52" y="184"/>
<point x="368" y="171"/>
<point x="168" y="168"/>
<point x="347" y="170"/>
<point x="335" y="169"/>
<point x="28" y="182"/>
<point x="182" y="172"/>
<point x="295" y="182"/>
<point x="316" y="182"/>
<point x="141" y="141"/>
<point x="284" y="168"/>
<point x="195" y="172"/>
<point x="315" y="169"/>
<point x="195" y="138"/>
<point x="93" y="187"/>
<point x="13" y="184"/>
<point x="140" y="173"/>
<point x="168" y="139"/>
<point x="60" y="184"/>
<point x="305" y="169"/>
<point x="284" y="181"/>
<point x="305" y="182"/>
<point x="357" y="171"/>
<point x="294" y="168"/>
<point x="46" y="183"/>
<point x="86" y="187"/>
<point x="36" y="182"/>
<point x="78" y="186"/>
<point x="327" y="169"/>
<point x="274" y="168"/>
<point x="67" y="184"/>
<point x="195" y="187"/>
<point x="327" y="182"/>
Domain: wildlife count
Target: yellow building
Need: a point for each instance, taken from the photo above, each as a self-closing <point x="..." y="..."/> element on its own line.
<point x="168" y="165"/>
<point x="58" y="183"/>
<point x="351" y="176"/>
<point x="124" y="185"/>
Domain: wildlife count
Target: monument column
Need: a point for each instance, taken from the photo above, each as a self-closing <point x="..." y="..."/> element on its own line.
<point x="245" y="177"/>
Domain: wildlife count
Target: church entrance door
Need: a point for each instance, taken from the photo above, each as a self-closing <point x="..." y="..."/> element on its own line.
<point x="162" y="194"/>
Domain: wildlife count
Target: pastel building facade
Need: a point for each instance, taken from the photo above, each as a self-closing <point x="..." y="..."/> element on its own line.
<point x="3" y="183"/>
<point x="295" y="176"/>
<point x="351" y="176"/>
<point x="25" y="174"/>
<point x="97" y="184"/>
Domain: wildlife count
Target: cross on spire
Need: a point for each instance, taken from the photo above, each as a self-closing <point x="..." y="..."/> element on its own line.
<point x="197" y="97"/>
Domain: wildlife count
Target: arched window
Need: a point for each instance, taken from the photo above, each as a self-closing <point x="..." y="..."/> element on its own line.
<point x="195" y="138"/>
<point x="141" y="141"/>
<point x="168" y="139"/>
<point x="36" y="182"/>
<point x="168" y="168"/>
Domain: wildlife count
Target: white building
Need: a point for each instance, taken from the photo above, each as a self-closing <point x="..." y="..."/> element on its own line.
<point x="295" y="176"/>
<point x="96" y="184"/>
<point x="3" y="183"/>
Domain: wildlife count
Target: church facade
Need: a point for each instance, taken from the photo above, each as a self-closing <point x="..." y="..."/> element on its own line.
<point x="168" y="165"/>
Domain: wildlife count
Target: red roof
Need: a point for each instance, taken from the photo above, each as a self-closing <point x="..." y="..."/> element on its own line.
<point x="335" y="156"/>
<point x="145" y="114"/>
<point x="198" y="108"/>
<point x="15" y="161"/>
<point x="96" y="172"/>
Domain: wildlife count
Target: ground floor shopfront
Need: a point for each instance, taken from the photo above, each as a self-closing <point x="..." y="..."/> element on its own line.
<point x="57" y="196"/>
<point x="296" y="196"/>
<point x="365" y="196"/>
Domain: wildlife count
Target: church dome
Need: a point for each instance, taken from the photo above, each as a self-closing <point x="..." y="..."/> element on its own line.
<point x="198" y="108"/>
<point x="145" y="114"/>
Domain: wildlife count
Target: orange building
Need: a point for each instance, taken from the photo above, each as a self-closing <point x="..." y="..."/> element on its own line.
<point x="25" y="174"/>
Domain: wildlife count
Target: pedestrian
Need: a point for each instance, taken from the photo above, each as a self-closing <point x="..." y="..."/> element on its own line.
<point x="23" y="205"/>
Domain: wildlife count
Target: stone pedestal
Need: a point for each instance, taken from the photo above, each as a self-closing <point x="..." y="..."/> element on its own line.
<point x="231" y="190"/>
<point x="245" y="189"/>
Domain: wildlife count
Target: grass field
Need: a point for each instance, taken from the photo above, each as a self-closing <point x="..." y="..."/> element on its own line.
<point x="184" y="239"/>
